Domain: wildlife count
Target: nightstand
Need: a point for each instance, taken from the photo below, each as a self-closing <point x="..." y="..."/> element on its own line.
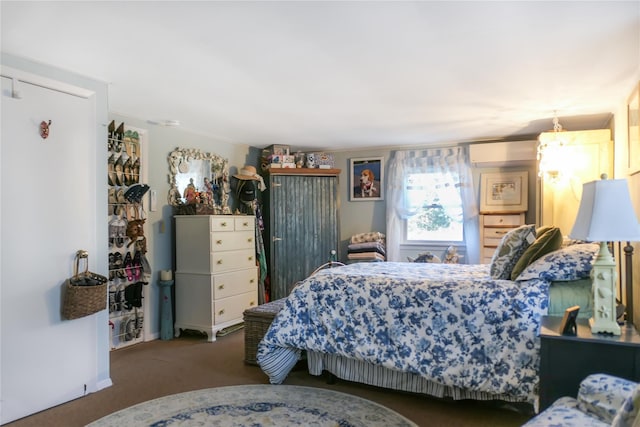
<point x="567" y="360"/>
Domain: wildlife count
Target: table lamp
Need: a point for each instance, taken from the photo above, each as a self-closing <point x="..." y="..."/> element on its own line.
<point x="605" y="215"/>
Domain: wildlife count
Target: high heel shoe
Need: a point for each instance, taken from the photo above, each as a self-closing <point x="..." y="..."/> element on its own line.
<point x="135" y="172"/>
<point x="127" y="172"/>
<point x="137" y="266"/>
<point x="111" y="169"/>
<point x="110" y="135"/>
<point x="128" y="267"/>
<point x="119" y="171"/>
<point x="119" y="137"/>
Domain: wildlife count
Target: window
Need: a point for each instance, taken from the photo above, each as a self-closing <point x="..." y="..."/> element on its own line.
<point x="436" y="199"/>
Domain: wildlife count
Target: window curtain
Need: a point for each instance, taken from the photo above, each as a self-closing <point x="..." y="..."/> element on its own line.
<point x="453" y="164"/>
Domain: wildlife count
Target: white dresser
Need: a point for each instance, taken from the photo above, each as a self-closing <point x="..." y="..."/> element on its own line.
<point x="216" y="274"/>
<point x="493" y="227"/>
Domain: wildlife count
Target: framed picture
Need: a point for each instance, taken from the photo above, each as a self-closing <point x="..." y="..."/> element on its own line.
<point x="568" y="325"/>
<point x="504" y="192"/>
<point x="633" y="124"/>
<point x="367" y="179"/>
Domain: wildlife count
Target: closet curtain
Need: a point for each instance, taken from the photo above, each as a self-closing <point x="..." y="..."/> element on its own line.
<point x="452" y="163"/>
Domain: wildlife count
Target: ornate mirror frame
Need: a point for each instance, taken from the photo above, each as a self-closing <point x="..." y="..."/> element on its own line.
<point x="212" y="187"/>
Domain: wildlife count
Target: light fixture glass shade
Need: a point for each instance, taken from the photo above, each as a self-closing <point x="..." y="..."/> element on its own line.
<point x="606" y="213"/>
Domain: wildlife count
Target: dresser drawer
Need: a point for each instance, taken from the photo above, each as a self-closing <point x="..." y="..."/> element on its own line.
<point x="245" y="223"/>
<point x="233" y="307"/>
<point x="236" y="282"/>
<point x="232" y="260"/>
<point x="221" y="223"/>
<point x="232" y="241"/>
<point x="514" y="220"/>
<point x="487" y="254"/>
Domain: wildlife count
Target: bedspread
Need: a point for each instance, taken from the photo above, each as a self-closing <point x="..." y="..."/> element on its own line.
<point x="450" y="323"/>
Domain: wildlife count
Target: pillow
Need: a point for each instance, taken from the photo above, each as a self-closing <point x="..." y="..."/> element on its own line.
<point x="548" y="239"/>
<point x="510" y="248"/>
<point x="570" y="263"/>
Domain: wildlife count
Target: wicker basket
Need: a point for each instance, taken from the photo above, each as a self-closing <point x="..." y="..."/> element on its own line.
<point x="85" y="293"/>
<point x="256" y="322"/>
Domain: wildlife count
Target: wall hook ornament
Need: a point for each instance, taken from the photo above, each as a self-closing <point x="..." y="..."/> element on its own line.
<point x="44" y="129"/>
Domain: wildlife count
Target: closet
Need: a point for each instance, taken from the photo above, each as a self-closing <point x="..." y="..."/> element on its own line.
<point x="301" y="213"/>
<point x="128" y="270"/>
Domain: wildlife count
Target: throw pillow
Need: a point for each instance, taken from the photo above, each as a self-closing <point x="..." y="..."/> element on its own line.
<point x="570" y="263"/>
<point x="548" y="239"/>
<point x="509" y="250"/>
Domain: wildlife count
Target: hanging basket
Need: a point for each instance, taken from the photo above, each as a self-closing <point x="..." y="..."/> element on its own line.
<point x="84" y="293"/>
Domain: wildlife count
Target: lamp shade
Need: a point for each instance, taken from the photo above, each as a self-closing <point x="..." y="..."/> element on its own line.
<point x="606" y="213"/>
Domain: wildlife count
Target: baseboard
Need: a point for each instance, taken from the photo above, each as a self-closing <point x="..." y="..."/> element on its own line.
<point x="104" y="384"/>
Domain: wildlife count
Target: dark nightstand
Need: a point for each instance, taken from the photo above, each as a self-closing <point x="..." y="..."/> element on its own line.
<point x="567" y="360"/>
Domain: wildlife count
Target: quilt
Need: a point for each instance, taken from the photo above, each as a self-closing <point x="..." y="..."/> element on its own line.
<point x="449" y="323"/>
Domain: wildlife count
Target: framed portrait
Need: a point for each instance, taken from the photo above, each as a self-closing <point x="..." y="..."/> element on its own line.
<point x="568" y="324"/>
<point x="366" y="179"/>
<point x="633" y="125"/>
<point x="504" y="192"/>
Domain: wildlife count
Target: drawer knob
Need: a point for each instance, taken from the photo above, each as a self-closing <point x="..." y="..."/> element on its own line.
<point x="221" y="287"/>
<point x="218" y="242"/>
<point x="251" y="280"/>
<point x="219" y="262"/>
<point x="224" y="224"/>
<point x="221" y="312"/>
<point x="250" y="258"/>
<point x="250" y="239"/>
<point x="245" y="224"/>
<point x="252" y="303"/>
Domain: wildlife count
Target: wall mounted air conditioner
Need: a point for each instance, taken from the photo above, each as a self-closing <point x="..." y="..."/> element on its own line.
<point x="495" y="154"/>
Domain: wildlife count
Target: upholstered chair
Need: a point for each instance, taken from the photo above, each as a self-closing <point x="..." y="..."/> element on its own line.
<point x="603" y="400"/>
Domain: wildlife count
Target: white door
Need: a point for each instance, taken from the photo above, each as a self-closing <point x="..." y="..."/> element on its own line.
<point x="48" y="212"/>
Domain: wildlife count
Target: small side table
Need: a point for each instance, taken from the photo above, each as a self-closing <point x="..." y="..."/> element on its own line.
<point x="166" y="314"/>
<point x="566" y="360"/>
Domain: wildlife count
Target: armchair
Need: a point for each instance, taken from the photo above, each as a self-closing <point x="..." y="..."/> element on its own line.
<point x="603" y="400"/>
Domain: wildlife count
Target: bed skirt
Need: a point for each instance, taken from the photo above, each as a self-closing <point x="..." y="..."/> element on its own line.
<point x="366" y="373"/>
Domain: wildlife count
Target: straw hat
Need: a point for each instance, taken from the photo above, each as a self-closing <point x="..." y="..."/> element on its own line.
<point x="248" y="172"/>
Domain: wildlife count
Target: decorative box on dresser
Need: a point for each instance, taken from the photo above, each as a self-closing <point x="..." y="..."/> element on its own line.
<point x="493" y="226"/>
<point x="301" y="224"/>
<point x="216" y="274"/>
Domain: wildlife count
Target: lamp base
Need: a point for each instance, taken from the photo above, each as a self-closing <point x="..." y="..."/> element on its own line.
<point x="603" y="275"/>
<point x="599" y="326"/>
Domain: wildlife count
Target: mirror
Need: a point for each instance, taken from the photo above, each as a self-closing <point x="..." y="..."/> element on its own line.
<point x="199" y="179"/>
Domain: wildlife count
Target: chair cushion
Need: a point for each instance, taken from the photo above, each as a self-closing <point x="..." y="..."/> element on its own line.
<point x="603" y="395"/>
<point x="564" y="412"/>
<point x="628" y="414"/>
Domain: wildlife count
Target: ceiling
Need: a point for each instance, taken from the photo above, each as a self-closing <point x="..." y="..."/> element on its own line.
<point x="344" y="75"/>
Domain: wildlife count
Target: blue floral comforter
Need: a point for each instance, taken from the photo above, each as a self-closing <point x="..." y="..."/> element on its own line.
<point x="450" y="323"/>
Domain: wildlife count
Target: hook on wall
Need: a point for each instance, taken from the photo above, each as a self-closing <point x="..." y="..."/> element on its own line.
<point x="44" y="129"/>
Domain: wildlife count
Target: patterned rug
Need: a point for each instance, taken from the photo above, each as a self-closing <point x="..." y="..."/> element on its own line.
<point x="257" y="405"/>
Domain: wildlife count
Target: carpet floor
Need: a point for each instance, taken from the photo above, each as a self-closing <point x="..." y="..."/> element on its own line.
<point x="160" y="368"/>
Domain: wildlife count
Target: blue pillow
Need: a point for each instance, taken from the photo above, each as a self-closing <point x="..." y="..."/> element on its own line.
<point x="568" y="263"/>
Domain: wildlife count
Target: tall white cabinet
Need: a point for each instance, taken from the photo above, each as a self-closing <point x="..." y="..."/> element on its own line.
<point x="216" y="273"/>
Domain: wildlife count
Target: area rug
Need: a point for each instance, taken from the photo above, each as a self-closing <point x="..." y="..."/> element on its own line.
<point x="257" y="405"/>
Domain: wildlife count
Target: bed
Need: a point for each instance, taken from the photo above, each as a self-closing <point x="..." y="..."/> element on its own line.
<point x="447" y="330"/>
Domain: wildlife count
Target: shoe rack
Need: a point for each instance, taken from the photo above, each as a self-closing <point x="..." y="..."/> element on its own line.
<point x="129" y="271"/>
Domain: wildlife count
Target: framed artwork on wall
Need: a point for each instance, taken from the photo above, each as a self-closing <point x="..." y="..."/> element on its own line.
<point x="504" y="192"/>
<point x="367" y="179"/>
<point x="633" y="125"/>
